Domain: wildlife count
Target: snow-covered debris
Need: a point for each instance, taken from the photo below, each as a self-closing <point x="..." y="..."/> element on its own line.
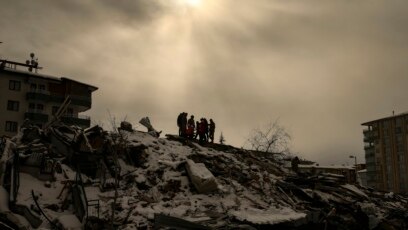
<point x="146" y="177"/>
<point x="69" y="222"/>
<point x="203" y="180"/>
<point x="267" y="217"/>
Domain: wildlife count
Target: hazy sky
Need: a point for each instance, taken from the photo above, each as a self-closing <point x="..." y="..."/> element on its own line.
<point x="320" y="67"/>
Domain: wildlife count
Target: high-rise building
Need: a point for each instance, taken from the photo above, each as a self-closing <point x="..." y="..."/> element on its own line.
<point x="386" y="153"/>
<point x="27" y="95"/>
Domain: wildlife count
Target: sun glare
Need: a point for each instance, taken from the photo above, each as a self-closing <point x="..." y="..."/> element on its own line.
<point x="190" y="3"/>
<point x="194" y="3"/>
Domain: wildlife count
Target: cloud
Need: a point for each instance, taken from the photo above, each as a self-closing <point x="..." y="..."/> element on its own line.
<point x="321" y="67"/>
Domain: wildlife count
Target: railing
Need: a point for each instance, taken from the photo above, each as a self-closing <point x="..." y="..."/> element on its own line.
<point x="39" y="111"/>
<point x="38" y="94"/>
<point x="81" y="100"/>
<point x="39" y="91"/>
<point x="75" y="99"/>
<point x="44" y="95"/>
<point x="79" y="120"/>
<point x="366" y="147"/>
<point x="36" y="115"/>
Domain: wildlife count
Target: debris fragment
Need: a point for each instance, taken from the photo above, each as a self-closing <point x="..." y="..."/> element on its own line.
<point x="202" y="179"/>
<point x="172" y="183"/>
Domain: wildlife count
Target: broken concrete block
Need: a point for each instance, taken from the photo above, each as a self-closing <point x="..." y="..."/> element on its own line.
<point x="70" y="222"/>
<point x="124" y="125"/>
<point x="47" y="184"/>
<point x="203" y="180"/>
<point x="145" y="121"/>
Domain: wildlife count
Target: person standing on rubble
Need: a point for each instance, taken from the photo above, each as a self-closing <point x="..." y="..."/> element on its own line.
<point x="295" y="164"/>
<point x="179" y="118"/>
<point x="205" y="129"/>
<point x="190" y="127"/>
<point x="212" y="130"/>
<point x="201" y="130"/>
<point x="184" y="125"/>
<point x="197" y="127"/>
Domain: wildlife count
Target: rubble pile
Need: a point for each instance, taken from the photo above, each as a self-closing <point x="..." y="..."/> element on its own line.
<point x="66" y="177"/>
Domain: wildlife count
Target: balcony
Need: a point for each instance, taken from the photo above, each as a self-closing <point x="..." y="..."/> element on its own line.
<point x="368" y="147"/>
<point x="370" y="137"/>
<point x="83" y="101"/>
<point x="79" y="120"/>
<point x="36" y="115"/>
<point x="38" y="95"/>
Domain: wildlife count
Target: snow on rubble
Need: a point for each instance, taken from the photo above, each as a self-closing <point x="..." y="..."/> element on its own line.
<point x="64" y="175"/>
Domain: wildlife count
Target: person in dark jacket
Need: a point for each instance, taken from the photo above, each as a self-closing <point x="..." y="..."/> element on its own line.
<point x="201" y="131"/>
<point x="197" y="131"/>
<point x="205" y="129"/>
<point x="184" y="125"/>
<point x="211" y="130"/>
<point x="179" y="118"/>
<point x="295" y="164"/>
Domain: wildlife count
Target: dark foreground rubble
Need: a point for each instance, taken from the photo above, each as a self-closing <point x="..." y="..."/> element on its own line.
<point x="70" y="178"/>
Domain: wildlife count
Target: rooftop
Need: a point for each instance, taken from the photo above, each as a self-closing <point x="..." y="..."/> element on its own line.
<point x="385" y="118"/>
<point x="42" y="76"/>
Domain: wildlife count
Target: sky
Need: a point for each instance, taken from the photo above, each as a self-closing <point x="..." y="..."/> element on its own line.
<point x="321" y="68"/>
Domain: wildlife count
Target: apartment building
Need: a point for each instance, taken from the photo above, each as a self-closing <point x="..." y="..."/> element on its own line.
<point x="386" y="153"/>
<point x="25" y="94"/>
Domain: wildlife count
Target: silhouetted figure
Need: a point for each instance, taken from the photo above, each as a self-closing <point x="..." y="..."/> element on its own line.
<point x="190" y="127"/>
<point x="211" y="130"/>
<point x="184" y="125"/>
<point x="295" y="164"/>
<point x="197" y="127"/>
<point x="201" y="130"/>
<point x="179" y="118"/>
<point x="205" y="129"/>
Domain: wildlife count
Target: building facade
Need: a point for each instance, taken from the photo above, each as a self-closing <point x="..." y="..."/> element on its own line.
<point x="385" y="145"/>
<point x="36" y="97"/>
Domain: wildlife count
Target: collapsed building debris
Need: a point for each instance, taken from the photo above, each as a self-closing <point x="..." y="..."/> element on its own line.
<point x="67" y="177"/>
<point x="201" y="177"/>
<point x="145" y="121"/>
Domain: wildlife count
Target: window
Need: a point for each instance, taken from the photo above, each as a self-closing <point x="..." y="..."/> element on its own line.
<point x="11" y="126"/>
<point x="33" y="86"/>
<point x="41" y="87"/>
<point x="40" y="106"/>
<point x="31" y="106"/>
<point x="12" y="105"/>
<point x="15" y="85"/>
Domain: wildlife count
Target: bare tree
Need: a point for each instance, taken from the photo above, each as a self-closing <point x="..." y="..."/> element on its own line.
<point x="222" y="139"/>
<point x="272" y="138"/>
<point x="119" y="141"/>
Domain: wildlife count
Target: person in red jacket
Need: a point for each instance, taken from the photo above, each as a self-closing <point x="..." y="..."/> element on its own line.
<point x="190" y="127"/>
